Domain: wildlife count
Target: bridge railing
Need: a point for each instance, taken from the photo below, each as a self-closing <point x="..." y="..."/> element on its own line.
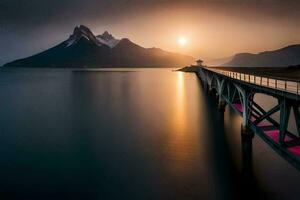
<point x="279" y="84"/>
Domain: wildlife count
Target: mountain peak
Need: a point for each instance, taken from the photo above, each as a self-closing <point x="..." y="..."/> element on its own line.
<point x="107" y="39"/>
<point x="106" y="36"/>
<point x="82" y="30"/>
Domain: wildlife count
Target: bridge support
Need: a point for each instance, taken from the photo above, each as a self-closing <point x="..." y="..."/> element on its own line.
<point x="246" y="132"/>
<point x="204" y="80"/>
<point x="297" y="117"/>
<point x="220" y="88"/>
<point x="246" y="138"/>
<point x="222" y="105"/>
<point x="246" y="98"/>
<point x="285" y="109"/>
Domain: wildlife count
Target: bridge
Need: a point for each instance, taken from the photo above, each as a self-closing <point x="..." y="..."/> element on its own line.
<point x="238" y="90"/>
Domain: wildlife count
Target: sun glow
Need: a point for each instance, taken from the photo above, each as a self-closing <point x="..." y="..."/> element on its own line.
<point x="182" y="41"/>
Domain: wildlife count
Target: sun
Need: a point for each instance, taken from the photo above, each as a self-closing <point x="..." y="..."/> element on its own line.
<point x="182" y="41"/>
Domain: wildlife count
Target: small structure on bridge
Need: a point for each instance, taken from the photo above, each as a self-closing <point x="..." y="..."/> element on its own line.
<point x="199" y="63"/>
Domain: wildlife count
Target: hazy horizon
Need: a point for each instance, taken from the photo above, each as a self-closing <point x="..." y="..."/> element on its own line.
<point x="213" y="28"/>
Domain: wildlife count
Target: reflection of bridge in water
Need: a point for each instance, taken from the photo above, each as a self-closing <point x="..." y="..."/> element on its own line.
<point x="238" y="90"/>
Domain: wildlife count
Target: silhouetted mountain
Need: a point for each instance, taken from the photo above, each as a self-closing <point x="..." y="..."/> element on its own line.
<point x="84" y="49"/>
<point x="218" y="62"/>
<point x="288" y="56"/>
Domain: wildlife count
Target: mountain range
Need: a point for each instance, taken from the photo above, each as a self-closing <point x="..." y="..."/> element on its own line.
<point x="287" y="56"/>
<point x="84" y="49"/>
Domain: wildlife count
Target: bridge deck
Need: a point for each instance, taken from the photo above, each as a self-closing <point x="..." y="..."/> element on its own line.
<point x="283" y="84"/>
<point x="282" y="73"/>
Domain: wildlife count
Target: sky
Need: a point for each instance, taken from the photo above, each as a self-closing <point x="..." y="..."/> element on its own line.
<point x="213" y="28"/>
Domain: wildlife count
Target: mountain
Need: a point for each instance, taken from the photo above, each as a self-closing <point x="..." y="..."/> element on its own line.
<point x="84" y="49"/>
<point x="218" y="61"/>
<point x="288" y="56"/>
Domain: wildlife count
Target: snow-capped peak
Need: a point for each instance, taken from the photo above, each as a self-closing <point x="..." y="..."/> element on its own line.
<point x="107" y="36"/>
<point x="83" y="31"/>
<point x="108" y="39"/>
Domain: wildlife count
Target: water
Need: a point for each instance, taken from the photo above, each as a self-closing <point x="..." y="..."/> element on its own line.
<point x="131" y="134"/>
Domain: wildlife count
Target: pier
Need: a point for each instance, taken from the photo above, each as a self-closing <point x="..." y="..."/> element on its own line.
<point x="237" y="90"/>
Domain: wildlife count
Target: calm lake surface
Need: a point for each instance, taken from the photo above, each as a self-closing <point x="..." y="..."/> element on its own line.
<point x="131" y="134"/>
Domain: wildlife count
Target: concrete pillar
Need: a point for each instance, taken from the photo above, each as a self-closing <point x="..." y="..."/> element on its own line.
<point x="246" y="140"/>
<point x="245" y="104"/>
<point x="222" y="105"/>
<point x="285" y="109"/>
<point x="207" y="88"/>
<point x="212" y="92"/>
<point x="245" y="130"/>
